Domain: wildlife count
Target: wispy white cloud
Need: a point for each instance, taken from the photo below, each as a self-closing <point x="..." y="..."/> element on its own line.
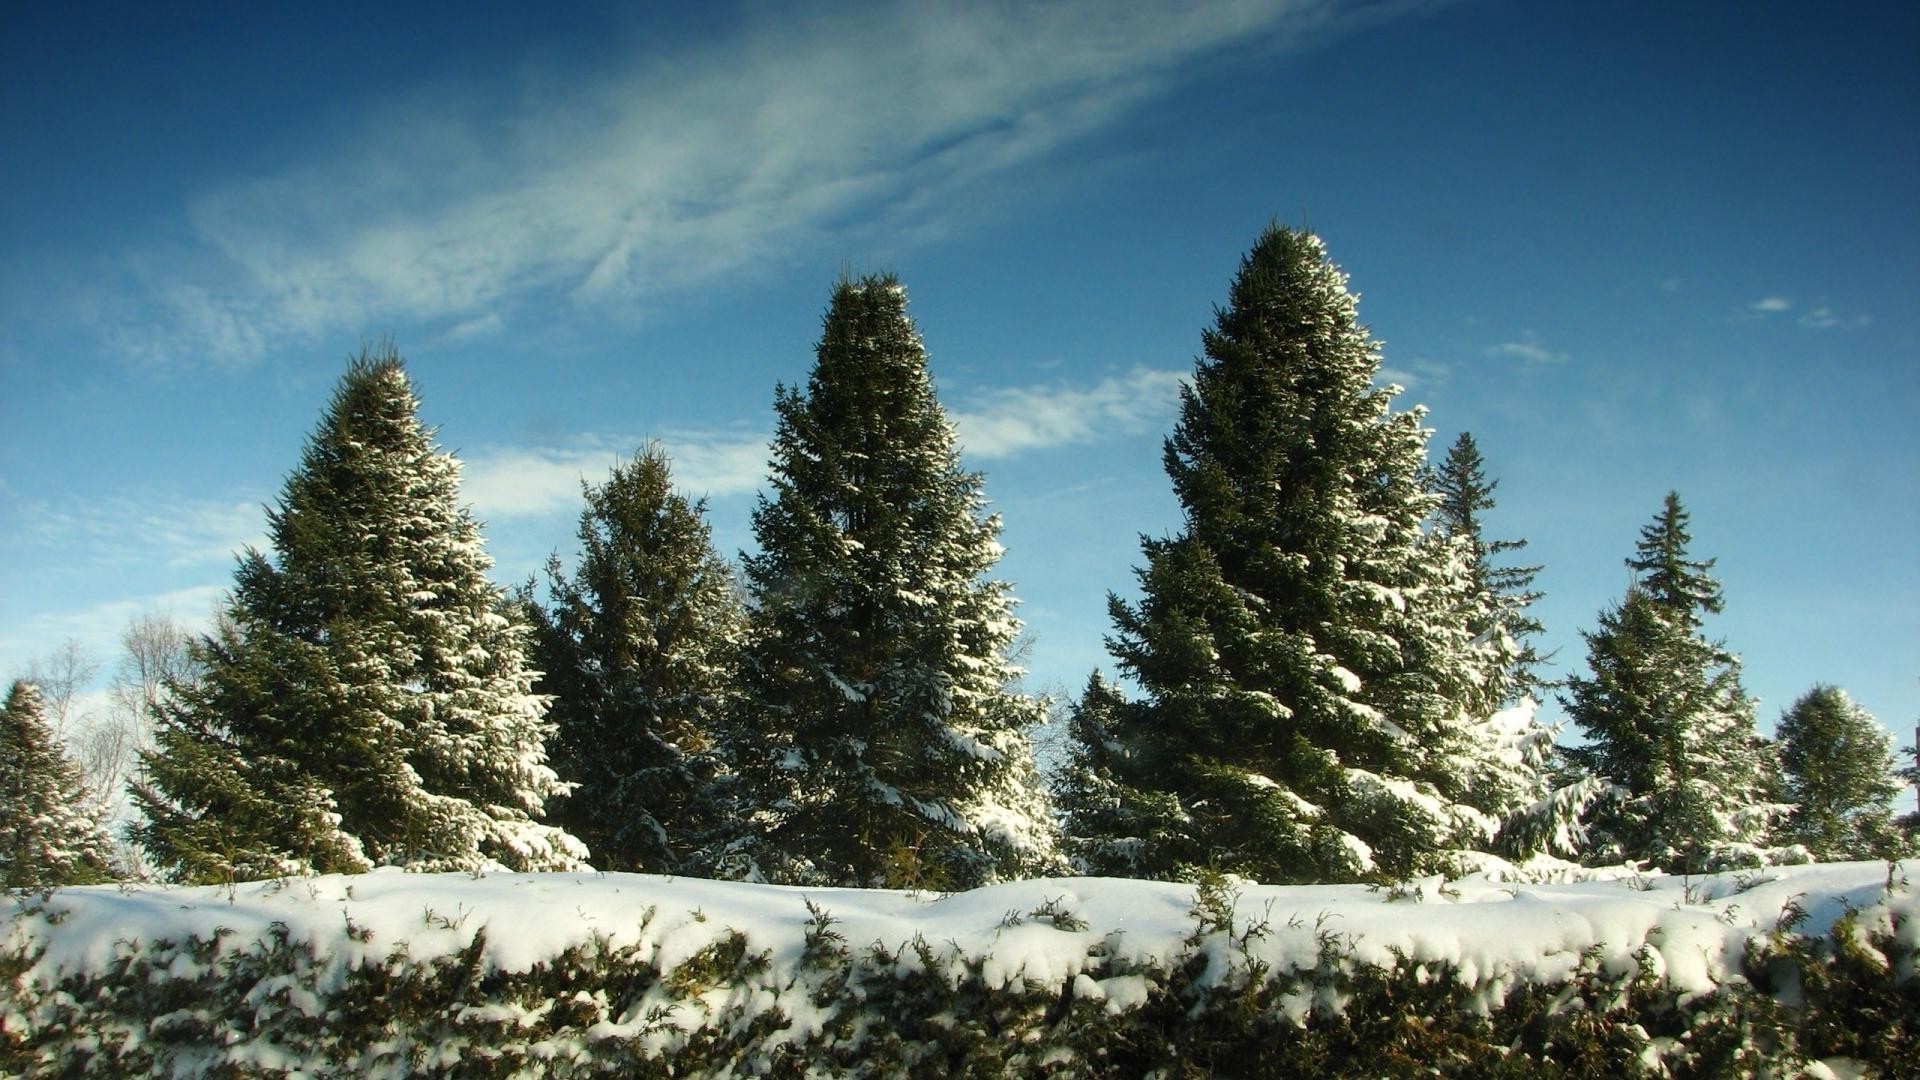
<point x="123" y="530"/>
<point x="1528" y="350"/>
<point x="1016" y="419"/>
<point x="1825" y="318"/>
<point x="1415" y="375"/>
<point x="608" y="188"/>
<point x="522" y="482"/>
<point x="1820" y="316"/>
<point x="97" y="628"/>
<point x="503" y="483"/>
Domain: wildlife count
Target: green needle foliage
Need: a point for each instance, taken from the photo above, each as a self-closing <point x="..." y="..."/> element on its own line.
<point x="1314" y="690"/>
<point x="1667" y="721"/>
<point x="882" y="743"/>
<point x="639" y="650"/>
<point x="364" y="702"/>
<point x="50" y="829"/>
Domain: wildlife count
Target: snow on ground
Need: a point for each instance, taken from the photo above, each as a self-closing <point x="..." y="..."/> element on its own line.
<point x="1495" y="932"/>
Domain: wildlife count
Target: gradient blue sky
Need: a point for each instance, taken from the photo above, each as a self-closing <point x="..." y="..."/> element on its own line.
<point x="1630" y="246"/>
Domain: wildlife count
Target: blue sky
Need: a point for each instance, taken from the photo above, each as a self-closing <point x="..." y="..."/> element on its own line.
<point x="1630" y="246"/>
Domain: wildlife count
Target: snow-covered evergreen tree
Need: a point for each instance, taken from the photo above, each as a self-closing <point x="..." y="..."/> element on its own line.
<point x="1316" y="703"/>
<point x="882" y="742"/>
<point x="639" y="649"/>
<point x="1111" y="825"/>
<point x="1667" y="722"/>
<point x="366" y="701"/>
<point x="50" y="828"/>
<point x="1839" y="778"/>
<point x="1501" y="594"/>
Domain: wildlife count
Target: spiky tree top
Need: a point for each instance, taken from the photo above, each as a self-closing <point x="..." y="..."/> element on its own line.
<point x="638" y="648"/>
<point x="1667" y="721"/>
<point x="1683" y="586"/>
<point x="885" y="746"/>
<point x="49" y="833"/>
<point x="367" y="701"/>
<point x="1501" y="594"/>
<point x="1310" y="675"/>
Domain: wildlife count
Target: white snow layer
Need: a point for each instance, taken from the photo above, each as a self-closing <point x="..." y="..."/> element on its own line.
<point x="1499" y="934"/>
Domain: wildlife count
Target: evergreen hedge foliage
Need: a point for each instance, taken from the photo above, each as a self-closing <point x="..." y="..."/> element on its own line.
<point x="843" y="1008"/>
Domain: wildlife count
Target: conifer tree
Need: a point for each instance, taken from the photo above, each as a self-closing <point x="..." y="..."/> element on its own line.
<point x="50" y="833"/>
<point x="1314" y="696"/>
<point x="365" y="701"/>
<point x="639" y="650"/>
<point x="1667" y="722"/>
<point x="883" y="743"/>
<point x="1839" y="778"/>
<point x="1112" y="825"/>
<point x="1500" y="594"/>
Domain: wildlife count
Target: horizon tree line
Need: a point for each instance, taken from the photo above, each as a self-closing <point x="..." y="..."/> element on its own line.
<point x="1331" y="667"/>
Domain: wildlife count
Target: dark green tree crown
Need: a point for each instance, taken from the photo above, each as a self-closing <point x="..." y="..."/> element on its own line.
<point x="1681" y="585"/>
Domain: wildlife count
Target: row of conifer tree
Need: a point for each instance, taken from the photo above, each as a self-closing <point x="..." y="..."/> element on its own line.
<point x="1330" y="666"/>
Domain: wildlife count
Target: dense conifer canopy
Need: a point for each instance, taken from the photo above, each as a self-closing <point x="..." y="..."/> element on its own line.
<point x="365" y="700"/>
<point x="1839" y="770"/>
<point x="1666" y="720"/>
<point x="1314" y="692"/>
<point x="50" y="828"/>
<point x="638" y="648"/>
<point x="883" y="742"/>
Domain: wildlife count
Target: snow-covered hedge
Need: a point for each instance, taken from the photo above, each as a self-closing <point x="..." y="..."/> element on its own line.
<point x="1786" y="970"/>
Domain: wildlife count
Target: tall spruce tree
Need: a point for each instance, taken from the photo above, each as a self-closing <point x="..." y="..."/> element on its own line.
<point x="1667" y="722"/>
<point x="365" y="701"/>
<point x="1501" y="594"/>
<point x="50" y="830"/>
<point x="639" y="649"/>
<point x="883" y="743"/>
<point x="1839" y="778"/>
<point x="1314" y="695"/>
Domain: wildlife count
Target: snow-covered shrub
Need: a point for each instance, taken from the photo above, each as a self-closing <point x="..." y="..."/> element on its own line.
<point x="1789" y="971"/>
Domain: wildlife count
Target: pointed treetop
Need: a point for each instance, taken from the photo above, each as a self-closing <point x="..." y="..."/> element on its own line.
<point x="1662" y="569"/>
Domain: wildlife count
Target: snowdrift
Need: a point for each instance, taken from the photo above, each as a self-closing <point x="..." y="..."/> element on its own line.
<point x="389" y="973"/>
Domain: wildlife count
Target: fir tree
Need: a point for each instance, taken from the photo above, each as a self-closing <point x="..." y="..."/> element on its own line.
<point x="1315" y="699"/>
<point x="1501" y="594"/>
<point x="1111" y="825"/>
<point x="1839" y="778"/>
<point x="639" y="649"/>
<point x="365" y="701"/>
<point x="1667" y="722"/>
<point x="50" y="833"/>
<point x="883" y="744"/>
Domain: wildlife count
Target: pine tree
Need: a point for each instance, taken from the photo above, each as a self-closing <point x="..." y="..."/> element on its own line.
<point x="883" y="744"/>
<point x="1839" y="778"/>
<point x="365" y="702"/>
<point x="1667" y="722"/>
<point x="1315" y="699"/>
<point x="50" y="833"/>
<point x="639" y="649"/>
<point x="1111" y="825"/>
<point x="1500" y="594"/>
